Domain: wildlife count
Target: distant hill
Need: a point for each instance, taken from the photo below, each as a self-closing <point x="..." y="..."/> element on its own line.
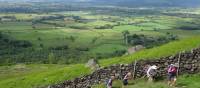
<point x="128" y="3"/>
<point x="134" y="3"/>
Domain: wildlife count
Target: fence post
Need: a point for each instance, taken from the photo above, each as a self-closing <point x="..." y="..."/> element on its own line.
<point x="134" y="69"/>
<point x="179" y="57"/>
<point x="121" y="75"/>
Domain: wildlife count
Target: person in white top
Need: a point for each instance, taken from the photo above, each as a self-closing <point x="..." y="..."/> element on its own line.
<point x="151" y="72"/>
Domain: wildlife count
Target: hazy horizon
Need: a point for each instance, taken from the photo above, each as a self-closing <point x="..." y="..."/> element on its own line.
<point x="128" y="3"/>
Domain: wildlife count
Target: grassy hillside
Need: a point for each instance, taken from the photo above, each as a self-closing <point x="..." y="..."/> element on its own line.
<point x="35" y="75"/>
<point x="26" y="76"/>
<point x="165" y="50"/>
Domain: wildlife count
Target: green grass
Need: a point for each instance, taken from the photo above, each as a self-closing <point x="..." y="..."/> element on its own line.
<point x="15" y="26"/>
<point x="23" y="16"/>
<point x="162" y="51"/>
<point x="110" y="48"/>
<point x="30" y="76"/>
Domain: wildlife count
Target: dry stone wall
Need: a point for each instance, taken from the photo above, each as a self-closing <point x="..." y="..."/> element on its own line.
<point x="189" y="62"/>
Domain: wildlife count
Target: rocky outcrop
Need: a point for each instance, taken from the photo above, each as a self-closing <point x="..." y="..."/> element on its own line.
<point x="134" y="49"/>
<point x="93" y="64"/>
<point x="189" y="62"/>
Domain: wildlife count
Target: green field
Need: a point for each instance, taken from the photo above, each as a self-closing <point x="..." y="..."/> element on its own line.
<point x="82" y="37"/>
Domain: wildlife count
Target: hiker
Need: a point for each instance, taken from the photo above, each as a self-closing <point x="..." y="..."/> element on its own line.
<point x="126" y="78"/>
<point x="145" y="69"/>
<point x="151" y="72"/>
<point x="172" y="73"/>
<point x="110" y="81"/>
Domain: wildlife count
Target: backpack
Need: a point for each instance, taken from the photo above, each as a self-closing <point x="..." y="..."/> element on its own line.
<point x="172" y="69"/>
<point x="107" y="82"/>
<point x="153" y="72"/>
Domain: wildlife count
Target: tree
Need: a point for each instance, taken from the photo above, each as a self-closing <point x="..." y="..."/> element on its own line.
<point x="33" y="25"/>
<point x="8" y="61"/>
<point x="77" y="18"/>
<point x="62" y="61"/>
<point x="39" y="39"/>
<point x="72" y="38"/>
<point x="51" y="58"/>
<point x="94" y="40"/>
<point x="0" y="20"/>
<point x="1" y="35"/>
<point x="168" y="33"/>
<point x="125" y="35"/>
<point x="41" y="45"/>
